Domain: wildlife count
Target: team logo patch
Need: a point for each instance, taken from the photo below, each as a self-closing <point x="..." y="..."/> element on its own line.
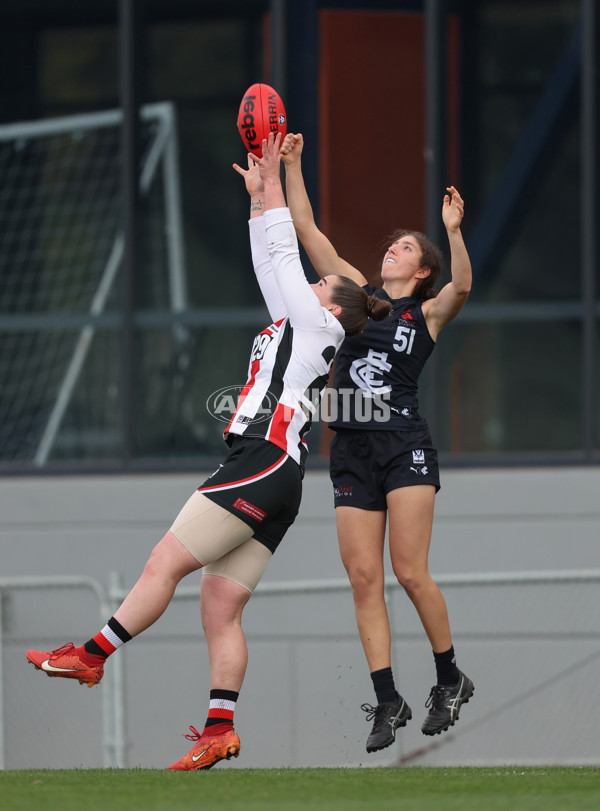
<point x="249" y="509"/>
<point x="418" y="457"/>
<point x="368" y="373"/>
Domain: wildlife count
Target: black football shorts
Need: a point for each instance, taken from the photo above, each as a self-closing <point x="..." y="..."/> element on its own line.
<point x="260" y="484"/>
<point x="366" y="465"/>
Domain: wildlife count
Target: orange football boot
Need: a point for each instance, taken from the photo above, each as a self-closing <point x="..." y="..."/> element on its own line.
<point x="66" y="664"/>
<point x="207" y="751"/>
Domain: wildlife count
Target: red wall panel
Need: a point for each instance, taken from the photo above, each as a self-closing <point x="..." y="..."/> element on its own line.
<point x="372" y="129"/>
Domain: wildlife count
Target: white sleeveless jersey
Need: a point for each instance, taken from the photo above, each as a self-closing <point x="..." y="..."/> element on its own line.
<point x="290" y="360"/>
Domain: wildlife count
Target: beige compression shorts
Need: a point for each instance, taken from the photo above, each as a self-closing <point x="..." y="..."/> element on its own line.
<point x="221" y="542"/>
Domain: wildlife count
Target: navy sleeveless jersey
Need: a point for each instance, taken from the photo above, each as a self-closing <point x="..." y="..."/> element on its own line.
<point x="377" y="372"/>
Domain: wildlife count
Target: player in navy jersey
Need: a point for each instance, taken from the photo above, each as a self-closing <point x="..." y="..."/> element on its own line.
<point x="233" y="523"/>
<point x="383" y="463"/>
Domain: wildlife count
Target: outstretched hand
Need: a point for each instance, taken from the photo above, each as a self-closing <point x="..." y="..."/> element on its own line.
<point x="269" y="163"/>
<point x="291" y="148"/>
<point x="453" y="209"/>
<point x="251" y="175"/>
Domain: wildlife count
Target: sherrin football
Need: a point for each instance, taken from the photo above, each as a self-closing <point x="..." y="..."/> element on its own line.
<point x="261" y="112"/>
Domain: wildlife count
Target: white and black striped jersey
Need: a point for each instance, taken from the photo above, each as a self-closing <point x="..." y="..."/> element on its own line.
<point x="290" y="360"/>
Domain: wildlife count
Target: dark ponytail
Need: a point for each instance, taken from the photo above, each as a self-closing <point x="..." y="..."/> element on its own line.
<point x="357" y="306"/>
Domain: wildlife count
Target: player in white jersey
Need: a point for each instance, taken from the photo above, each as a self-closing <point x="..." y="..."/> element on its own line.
<point x="232" y="524"/>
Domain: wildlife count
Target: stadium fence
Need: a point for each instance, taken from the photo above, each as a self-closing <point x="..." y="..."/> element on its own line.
<point x="530" y="640"/>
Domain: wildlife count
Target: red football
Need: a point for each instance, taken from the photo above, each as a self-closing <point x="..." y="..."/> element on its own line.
<point x="261" y="112"/>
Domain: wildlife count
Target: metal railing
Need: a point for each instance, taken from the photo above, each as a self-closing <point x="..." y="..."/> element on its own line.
<point x="114" y="739"/>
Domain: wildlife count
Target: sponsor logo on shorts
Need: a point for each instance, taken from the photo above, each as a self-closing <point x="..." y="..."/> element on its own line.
<point x="418" y="457"/>
<point x="249" y="509"/>
<point x="342" y="492"/>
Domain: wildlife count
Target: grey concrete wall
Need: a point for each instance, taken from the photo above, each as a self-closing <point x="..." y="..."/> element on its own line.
<point x="532" y="651"/>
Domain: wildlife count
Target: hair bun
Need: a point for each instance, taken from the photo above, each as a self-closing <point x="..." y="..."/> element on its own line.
<point x="377" y="308"/>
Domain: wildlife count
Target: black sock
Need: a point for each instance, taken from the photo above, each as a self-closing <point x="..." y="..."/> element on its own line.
<point x="383" y="682"/>
<point x="445" y="664"/>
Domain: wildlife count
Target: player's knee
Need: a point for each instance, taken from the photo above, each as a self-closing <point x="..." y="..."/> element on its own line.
<point x="365" y="581"/>
<point x="156" y="563"/>
<point x="221" y="603"/>
<point x="410" y="578"/>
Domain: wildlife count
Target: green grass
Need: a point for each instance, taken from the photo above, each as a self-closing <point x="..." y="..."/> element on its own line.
<point x="412" y="789"/>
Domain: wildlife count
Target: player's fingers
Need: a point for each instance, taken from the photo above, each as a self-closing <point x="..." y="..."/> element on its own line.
<point x="455" y="194"/>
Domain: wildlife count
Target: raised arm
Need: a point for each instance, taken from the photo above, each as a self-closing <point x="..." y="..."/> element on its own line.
<point x="302" y="305"/>
<point x="258" y="240"/>
<point x="440" y="310"/>
<point x="320" y="251"/>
